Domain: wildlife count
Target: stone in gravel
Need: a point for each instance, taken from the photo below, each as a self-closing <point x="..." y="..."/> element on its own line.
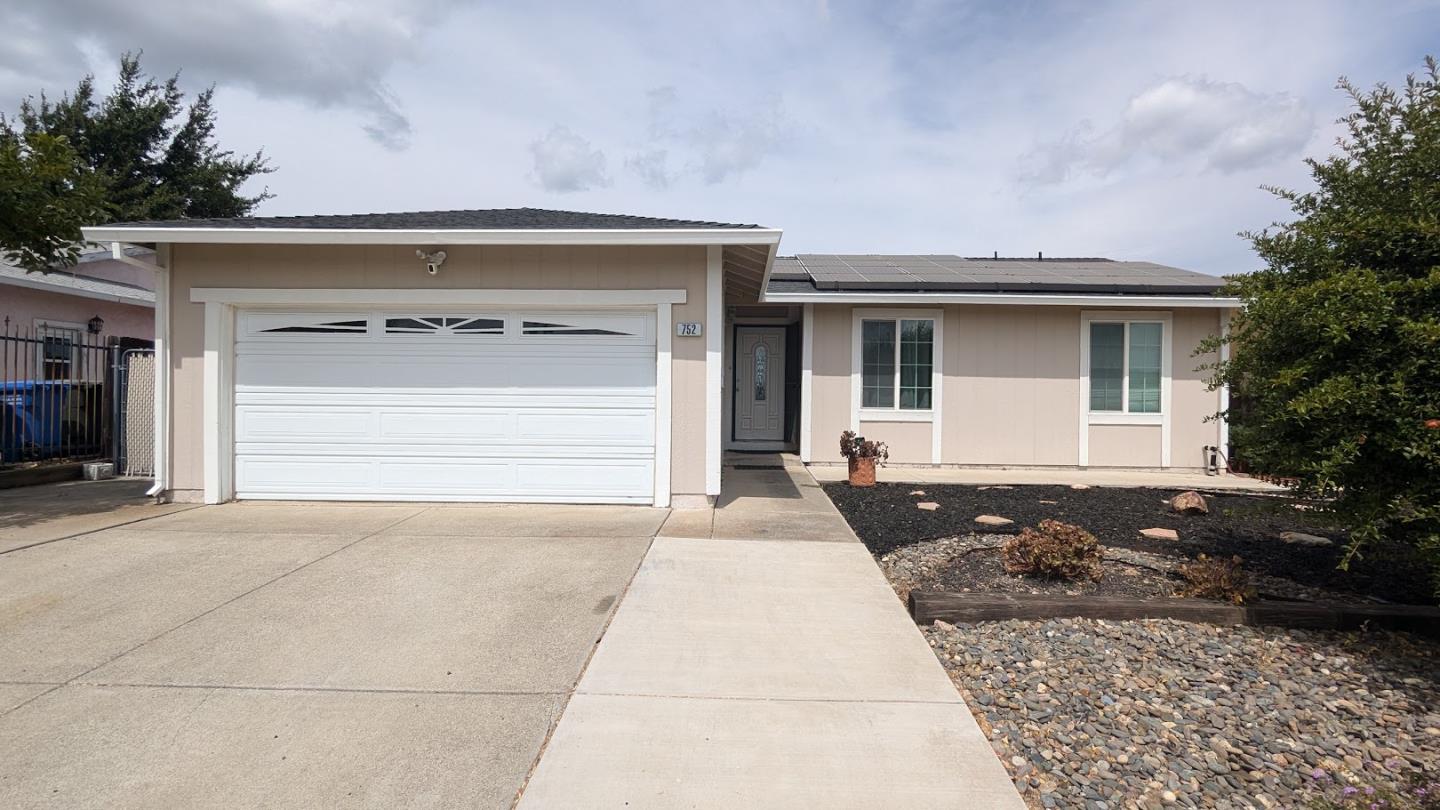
<point x="993" y="520"/>
<point x="928" y="506"/>
<point x="1160" y="534"/>
<point x="996" y="486"/>
<point x="919" y="492"/>
<point x="1303" y="539"/>
<point x="1079" y="486"/>
<point x="1190" y="503"/>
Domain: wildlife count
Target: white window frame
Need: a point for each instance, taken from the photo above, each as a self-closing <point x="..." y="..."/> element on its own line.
<point x="937" y="374"/>
<point x="895" y="413"/>
<point x="1124" y="416"/>
<point x="43" y="328"/>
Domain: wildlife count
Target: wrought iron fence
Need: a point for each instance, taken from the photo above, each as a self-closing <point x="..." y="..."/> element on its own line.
<point x="58" y="386"/>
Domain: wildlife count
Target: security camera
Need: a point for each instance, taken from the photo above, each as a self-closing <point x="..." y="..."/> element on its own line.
<point x="432" y="260"/>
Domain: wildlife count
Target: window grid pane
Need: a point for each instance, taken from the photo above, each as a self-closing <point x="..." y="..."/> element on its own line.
<point x="877" y="372"/>
<point x="1107" y="366"/>
<point x="1145" y="354"/>
<point x="916" y="353"/>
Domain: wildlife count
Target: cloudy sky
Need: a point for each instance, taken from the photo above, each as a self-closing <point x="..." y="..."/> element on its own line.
<point x="1139" y="130"/>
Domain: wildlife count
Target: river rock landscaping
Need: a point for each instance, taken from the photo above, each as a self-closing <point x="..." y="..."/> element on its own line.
<point x="1285" y="546"/>
<point x="1159" y="713"/>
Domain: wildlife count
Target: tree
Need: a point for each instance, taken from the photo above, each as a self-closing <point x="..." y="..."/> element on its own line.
<point x="45" y="195"/>
<point x="147" y="153"/>
<point x="1337" y="350"/>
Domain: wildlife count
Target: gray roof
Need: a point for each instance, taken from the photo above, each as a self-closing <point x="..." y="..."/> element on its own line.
<point x="479" y="219"/>
<point x="67" y="282"/>
<point x="812" y="272"/>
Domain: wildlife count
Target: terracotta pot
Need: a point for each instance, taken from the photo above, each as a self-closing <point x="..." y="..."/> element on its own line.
<point x="862" y="472"/>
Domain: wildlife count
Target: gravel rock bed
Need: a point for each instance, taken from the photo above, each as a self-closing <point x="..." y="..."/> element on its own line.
<point x="972" y="563"/>
<point x="1159" y="713"/>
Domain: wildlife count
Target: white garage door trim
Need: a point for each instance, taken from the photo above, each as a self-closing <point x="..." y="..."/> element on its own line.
<point x="219" y="382"/>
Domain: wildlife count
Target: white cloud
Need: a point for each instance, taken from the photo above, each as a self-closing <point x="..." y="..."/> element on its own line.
<point x="713" y="145"/>
<point x="1219" y="125"/>
<point x="566" y="162"/>
<point x="334" y="54"/>
<point x="652" y="167"/>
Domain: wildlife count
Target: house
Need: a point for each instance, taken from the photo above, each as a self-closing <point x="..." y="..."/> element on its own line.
<point x="536" y="355"/>
<point x="100" y="296"/>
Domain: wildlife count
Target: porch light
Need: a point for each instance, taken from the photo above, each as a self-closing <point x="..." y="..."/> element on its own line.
<point x="95" y="325"/>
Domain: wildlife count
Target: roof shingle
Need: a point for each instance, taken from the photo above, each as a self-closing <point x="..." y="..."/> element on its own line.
<point x="477" y="219"/>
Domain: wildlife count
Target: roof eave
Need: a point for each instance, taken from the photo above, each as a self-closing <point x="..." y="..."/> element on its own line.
<point x="1006" y="299"/>
<point x="37" y="281"/>
<point x="456" y="236"/>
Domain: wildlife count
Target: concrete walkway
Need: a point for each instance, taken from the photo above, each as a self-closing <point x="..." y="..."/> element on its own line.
<point x="759" y="659"/>
<point x="1094" y="478"/>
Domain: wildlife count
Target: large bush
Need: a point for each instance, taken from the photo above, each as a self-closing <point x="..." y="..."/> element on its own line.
<point x="1337" y="351"/>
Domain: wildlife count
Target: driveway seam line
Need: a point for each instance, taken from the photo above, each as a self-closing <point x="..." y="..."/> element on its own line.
<point x="205" y="613"/>
<point x="188" y="507"/>
<point x="338" y="689"/>
<point x="575" y="687"/>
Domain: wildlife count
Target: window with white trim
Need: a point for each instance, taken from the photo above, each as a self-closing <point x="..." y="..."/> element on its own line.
<point x="896" y="363"/>
<point x="1126" y="362"/>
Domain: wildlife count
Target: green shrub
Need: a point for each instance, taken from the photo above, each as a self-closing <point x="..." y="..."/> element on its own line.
<point x="1054" y="550"/>
<point x="1334" y="353"/>
<point x="1208" y="578"/>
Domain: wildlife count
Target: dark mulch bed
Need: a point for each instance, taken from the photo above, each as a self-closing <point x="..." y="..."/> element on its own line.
<point x="885" y="518"/>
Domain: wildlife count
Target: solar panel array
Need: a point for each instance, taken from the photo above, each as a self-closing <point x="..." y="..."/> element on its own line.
<point x="957" y="273"/>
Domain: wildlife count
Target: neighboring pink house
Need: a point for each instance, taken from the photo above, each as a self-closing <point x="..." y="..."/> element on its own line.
<point x="67" y="302"/>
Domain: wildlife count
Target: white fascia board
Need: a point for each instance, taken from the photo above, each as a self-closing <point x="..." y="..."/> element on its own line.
<point x="242" y="296"/>
<point x="769" y="265"/>
<point x="392" y="236"/>
<point x="61" y="289"/>
<point x="1008" y="299"/>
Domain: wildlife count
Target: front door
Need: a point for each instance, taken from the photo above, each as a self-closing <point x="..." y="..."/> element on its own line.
<point x="760" y="383"/>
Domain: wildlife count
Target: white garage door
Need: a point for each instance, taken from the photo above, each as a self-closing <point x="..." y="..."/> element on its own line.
<point x="480" y="406"/>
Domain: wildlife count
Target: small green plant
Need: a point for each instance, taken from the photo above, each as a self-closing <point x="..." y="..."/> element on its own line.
<point x="1054" y="550"/>
<point x="1209" y="578"/>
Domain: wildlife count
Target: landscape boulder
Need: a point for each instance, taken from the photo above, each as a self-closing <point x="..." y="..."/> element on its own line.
<point x="1189" y="503"/>
<point x="1303" y="539"/>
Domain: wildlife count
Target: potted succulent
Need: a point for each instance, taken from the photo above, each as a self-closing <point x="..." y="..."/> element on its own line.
<point x="862" y="456"/>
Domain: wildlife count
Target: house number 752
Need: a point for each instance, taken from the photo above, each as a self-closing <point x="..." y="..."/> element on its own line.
<point x="688" y="329"/>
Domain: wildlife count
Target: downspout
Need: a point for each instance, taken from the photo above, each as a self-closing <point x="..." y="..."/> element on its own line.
<point x="162" y="359"/>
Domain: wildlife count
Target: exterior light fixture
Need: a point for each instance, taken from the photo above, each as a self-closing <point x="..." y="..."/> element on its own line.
<point x="95" y="325"/>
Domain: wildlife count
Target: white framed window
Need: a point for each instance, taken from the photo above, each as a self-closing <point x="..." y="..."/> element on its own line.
<point x="896" y="365"/>
<point x="1125" y="378"/>
<point x="1126" y="366"/>
<point x="58" y="349"/>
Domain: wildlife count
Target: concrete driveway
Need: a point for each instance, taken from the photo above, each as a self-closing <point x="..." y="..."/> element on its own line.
<point x="264" y="654"/>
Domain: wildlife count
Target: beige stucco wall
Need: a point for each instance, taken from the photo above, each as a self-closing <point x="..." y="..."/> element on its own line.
<point x="1125" y="446"/>
<point x="1012" y="392"/>
<point x="468" y="267"/>
<point x="908" y="442"/>
<point x="830" y="382"/>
